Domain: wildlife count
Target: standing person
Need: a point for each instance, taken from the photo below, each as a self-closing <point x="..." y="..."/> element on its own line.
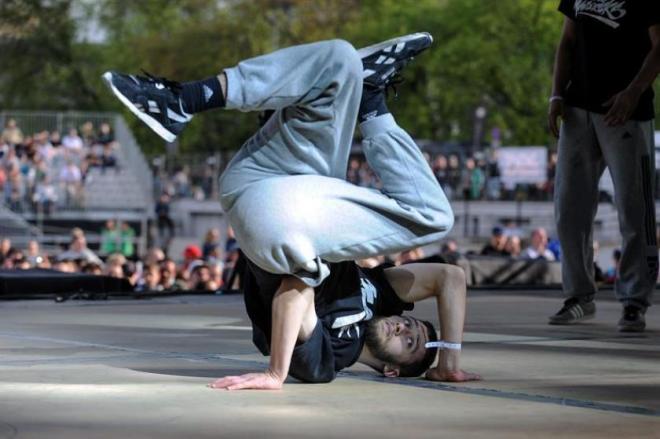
<point x="164" y="221"/>
<point x="293" y="212"/>
<point x="109" y="238"/>
<point x="127" y="239"/>
<point x="606" y="62"/>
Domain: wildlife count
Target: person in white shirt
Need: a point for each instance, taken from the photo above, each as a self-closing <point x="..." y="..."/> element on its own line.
<point x="538" y="247"/>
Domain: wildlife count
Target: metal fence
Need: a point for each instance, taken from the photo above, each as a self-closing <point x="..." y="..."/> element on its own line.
<point x="35" y="121"/>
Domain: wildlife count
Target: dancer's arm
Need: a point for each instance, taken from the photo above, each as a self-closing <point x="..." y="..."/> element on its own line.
<point x="623" y="104"/>
<point x="415" y="282"/>
<point x="294" y="319"/>
<point x="561" y="74"/>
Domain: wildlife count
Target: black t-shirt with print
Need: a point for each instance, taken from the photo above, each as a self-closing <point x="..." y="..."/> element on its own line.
<point x="348" y="298"/>
<point x="612" y="43"/>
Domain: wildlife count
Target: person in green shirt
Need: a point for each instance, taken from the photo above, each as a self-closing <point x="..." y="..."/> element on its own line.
<point x="127" y="235"/>
<point x="109" y="238"/>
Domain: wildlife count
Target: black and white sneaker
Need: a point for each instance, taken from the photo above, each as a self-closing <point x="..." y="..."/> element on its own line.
<point x="632" y="319"/>
<point x="156" y="101"/>
<point x="573" y="311"/>
<point x="382" y="61"/>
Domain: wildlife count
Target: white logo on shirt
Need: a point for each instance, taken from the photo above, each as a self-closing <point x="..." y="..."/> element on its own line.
<point x="348" y="322"/>
<point x="605" y="11"/>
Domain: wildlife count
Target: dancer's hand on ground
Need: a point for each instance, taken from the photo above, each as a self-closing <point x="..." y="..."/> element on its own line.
<point x="454" y="376"/>
<point x="258" y="381"/>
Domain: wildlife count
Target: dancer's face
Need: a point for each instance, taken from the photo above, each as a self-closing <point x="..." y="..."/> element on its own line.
<point x="396" y="339"/>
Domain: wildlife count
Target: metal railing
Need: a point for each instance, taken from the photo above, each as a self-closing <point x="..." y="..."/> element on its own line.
<point x="134" y="159"/>
<point x="15" y="227"/>
<point x="35" y="121"/>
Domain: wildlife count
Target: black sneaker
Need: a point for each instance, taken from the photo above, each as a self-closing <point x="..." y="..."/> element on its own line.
<point x="156" y="101"/>
<point x="632" y="320"/>
<point x="382" y="61"/>
<point x="572" y="312"/>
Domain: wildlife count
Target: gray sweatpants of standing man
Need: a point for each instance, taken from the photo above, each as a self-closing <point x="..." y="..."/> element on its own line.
<point x="285" y="191"/>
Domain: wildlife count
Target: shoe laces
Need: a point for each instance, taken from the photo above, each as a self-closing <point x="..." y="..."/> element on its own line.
<point x="172" y="85"/>
<point x="392" y="85"/>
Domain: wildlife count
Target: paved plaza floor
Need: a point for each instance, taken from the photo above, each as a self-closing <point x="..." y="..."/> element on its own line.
<point x="131" y="368"/>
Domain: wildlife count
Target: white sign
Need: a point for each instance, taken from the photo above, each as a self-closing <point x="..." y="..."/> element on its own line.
<point x="522" y="165"/>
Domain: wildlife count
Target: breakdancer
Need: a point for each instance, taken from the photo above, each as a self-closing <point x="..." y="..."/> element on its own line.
<point x="300" y="223"/>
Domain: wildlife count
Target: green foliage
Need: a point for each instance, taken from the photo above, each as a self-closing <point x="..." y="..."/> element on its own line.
<point x="492" y="53"/>
<point x="41" y="67"/>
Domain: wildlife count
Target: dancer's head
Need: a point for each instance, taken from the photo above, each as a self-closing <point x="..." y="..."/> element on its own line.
<point x="398" y="345"/>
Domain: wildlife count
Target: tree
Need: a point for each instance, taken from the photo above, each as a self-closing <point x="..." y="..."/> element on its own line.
<point x="42" y="66"/>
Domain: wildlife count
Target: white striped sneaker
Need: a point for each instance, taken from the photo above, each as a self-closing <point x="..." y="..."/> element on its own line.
<point x="381" y="62"/>
<point x="156" y="101"/>
<point x="573" y="311"/>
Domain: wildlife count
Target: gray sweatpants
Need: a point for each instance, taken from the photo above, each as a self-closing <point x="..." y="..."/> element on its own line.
<point x="586" y="146"/>
<point x="285" y="191"/>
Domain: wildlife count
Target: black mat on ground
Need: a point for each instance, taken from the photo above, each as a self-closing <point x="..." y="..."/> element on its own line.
<point x="43" y="282"/>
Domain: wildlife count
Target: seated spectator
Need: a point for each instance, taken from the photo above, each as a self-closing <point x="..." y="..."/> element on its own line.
<point x="92" y="268"/>
<point x="5" y="246"/>
<point x="190" y="254"/>
<point x="72" y="143"/>
<point x="55" y="139"/>
<point x="408" y="256"/>
<point x="450" y="253"/>
<point x="21" y="263"/>
<point x="211" y="243"/>
<point x="33" y="253"/>
<point x="78" y="250"/>
<point x="612" y="273"/>
<point x="65" y="266"/>
<point x="87" y="134"/>
<point x="131" y="273"/>
<point x="200" y="277"/>
<point x="371" y="262"/>
<point x="168" y="278"/>
<point x="216" y="268"/>
<point x="150" y="280"/>
<point x="45" y="196"/>
<point x="513" y="246"/>
<point x="154" y="256"/>
<point x="114" y="266"/>
<point x="538" y="246"/>
<point x="71" y="179"/>
<point x="495" y="246"/>
<point x="12" y="134"/>
<point x="11" y="258"/>
<point x="599" y="274"/>
<point x="105" y="134"/>
<point x="108" y="158"/>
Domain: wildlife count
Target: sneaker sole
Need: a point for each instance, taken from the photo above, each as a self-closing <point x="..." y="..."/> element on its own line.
<point x="152" y="123"/>
<point x="639" y="328"/>
<point x="370" y="50"/>
<point x="571" y="322"/>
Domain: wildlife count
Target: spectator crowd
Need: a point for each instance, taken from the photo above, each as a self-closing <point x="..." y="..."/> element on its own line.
<point x="214" y="265"/>
<point x="207" y="267"/>
<point x="463" y="177"/>
<point x="470" y="177"/>
<point x="46" y="170"/>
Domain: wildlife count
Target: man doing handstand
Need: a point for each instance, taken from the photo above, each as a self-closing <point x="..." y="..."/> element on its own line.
<point x="299" y="221"/>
